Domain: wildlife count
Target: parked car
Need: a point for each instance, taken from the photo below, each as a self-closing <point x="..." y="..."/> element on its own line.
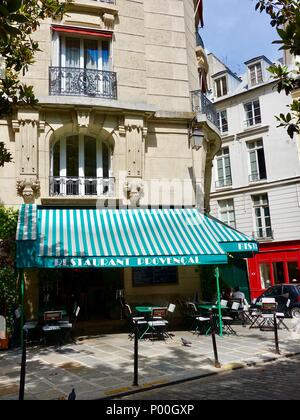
<point x="281" y="293"/>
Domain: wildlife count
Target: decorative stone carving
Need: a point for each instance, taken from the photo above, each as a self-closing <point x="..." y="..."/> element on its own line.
<point x="83" y="118"/>
<point x="29" y="189"/>
<point x="108" y="20"/>
<point x="134" y="190"/>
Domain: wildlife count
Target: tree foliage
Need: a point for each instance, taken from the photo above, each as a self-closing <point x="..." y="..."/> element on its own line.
<point x="8" y="275"/>
<point x="19" y="19"/>
<point x="285" y="17"/>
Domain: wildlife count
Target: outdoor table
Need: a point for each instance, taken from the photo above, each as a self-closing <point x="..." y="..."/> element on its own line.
<point x="145" y="309"/>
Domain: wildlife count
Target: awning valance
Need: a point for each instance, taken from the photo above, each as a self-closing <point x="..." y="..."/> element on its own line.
<point x="122" y="238"/>
<point x="81" y="31"/>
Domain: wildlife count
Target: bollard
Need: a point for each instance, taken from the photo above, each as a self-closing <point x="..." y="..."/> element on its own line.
<point x="23" y="365"/>
<point x="136" y="354"/>
<point x="213" y="336"/>
<point x="277" y="351"/>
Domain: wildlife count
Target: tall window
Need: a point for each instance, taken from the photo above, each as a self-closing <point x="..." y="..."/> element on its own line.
<point x="265" y="275"/>
<point x="92" y="54"/>
<point x="222" y="121"/>
<point x="262" y="216"/>
<point x="255" y="72"/>
<point x="80" y="165"/>
<point x="223" y="168"/>
<point x="257" y="161"/>
<point x="221" y="87"/>
<point x="226" y="212"/>
<point x="253" y="115"/>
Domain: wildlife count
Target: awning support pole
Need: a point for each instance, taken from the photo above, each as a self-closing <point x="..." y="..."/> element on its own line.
<point x="22" y="293"/>
<point x="23" y="340"/>
<point x="219" y="301"/>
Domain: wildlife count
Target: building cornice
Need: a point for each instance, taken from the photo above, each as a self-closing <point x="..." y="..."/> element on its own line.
<point x="244" y="92"/>
<point x="253" y="131"/>
<point x="257" y="187"/>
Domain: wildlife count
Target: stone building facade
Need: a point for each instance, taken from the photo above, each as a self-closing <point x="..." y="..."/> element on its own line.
<point x="115" y="124"/>
<point x="256" y="174"/>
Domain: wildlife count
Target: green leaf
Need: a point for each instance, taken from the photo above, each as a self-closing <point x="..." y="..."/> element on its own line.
<point x="14" y="5"/>
<point x="19" y="18"/>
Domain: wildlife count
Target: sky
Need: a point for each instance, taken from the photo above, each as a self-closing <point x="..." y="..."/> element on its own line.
<point x="235" y="32"/>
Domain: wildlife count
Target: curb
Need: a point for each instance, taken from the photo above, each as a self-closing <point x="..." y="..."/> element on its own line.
<point x="224" y="369"/>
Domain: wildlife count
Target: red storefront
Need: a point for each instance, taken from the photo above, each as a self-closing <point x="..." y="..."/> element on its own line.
<point x="276" y="263"/>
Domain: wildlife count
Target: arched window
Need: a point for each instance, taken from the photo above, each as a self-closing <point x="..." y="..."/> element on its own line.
<point x="80" y="165"/>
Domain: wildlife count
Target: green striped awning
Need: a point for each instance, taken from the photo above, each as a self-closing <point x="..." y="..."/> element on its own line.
<point x="120" y="238"/>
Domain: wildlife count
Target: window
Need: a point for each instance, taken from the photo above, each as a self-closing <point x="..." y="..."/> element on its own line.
<point x="262" y="216"/>
<point x="226" y="212"/>
<point x="222" y="121"/>
<point x="80" y="165"/>
<point x="258" y="170"/>
<point x="293" y="272"/>
<point x="253" y="115"/>
<point x="92" y="54"/>
<point x="223" y="168"/>
<point x="278" y="270"/>
<point x="148" y="276"/>
<point x="221" y="87"/>
<point x="82" y="66"/>
<point x="265" y="275"/>
<point x="255" y="72"/>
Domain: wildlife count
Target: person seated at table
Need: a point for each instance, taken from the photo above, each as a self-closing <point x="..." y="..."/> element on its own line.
<point x="227" y="294"/>
<point x="237" y="294"/>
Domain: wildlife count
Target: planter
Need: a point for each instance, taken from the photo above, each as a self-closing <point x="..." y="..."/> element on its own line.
<point x="4" y="343"/>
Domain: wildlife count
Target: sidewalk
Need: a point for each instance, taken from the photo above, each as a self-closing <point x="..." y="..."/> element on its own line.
<point x="102" y="366"/>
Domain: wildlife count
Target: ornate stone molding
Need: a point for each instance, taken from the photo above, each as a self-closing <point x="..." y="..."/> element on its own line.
<point x="134" y="190"/>
<point x="29" y="189"/>
<point x="83" y="118"/>
<point x="108" y="20"/>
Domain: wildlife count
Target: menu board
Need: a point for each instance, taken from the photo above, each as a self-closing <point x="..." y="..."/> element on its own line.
<point x="154" y="275"/>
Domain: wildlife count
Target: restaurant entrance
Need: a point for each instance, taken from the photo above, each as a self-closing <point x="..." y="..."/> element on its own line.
<point x="94" y="290"/>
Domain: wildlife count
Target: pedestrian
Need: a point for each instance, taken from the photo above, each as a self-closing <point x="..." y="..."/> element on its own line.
<point x="237" y="294"/>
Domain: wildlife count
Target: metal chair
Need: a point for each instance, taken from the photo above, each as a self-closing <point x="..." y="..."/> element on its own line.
<point x="135" y="322"/>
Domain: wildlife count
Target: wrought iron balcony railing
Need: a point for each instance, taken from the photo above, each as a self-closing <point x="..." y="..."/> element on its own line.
<point x="202" y="105"/>
<point x="225" y="182"/>
<point x="80" y="186"/>
<point x="86" y="82"/>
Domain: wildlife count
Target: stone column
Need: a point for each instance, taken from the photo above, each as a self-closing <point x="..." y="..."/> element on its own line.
<point x="136" y="132"/>
<point x="26" y="128"/>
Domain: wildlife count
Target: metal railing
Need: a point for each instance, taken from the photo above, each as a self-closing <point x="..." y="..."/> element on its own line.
<point x="263" y="233"/>
<point x="86" y="82"/>
<point x="81" y="186"/>
<point x="224" y="182"/>
<point x="255" y="177"/>
<point x="202" y="105"/>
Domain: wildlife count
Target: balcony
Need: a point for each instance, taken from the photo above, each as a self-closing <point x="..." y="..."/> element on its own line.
<point x="81" y="186"/>
<point x="82" y="82"/>
<point x="223" y="183"/>
<point x="202" y="105"/>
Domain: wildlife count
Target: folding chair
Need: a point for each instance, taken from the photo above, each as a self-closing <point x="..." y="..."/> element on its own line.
<point x="200" y="323"/>
<point x="51" y="327"/>
<point x="134" y="321"/>
<point x="157" y="326"/>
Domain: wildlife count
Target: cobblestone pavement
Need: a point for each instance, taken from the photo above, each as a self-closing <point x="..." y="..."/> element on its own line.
<point x="271" y="381"/>
<point x="102" y="366"/>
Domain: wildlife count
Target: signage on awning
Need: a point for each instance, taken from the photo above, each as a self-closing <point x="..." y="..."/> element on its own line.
<point x="87" y="238"/>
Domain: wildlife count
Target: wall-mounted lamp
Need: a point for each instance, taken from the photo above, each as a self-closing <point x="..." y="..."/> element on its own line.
<point x="197" y="138"/>
<point x="2" y="67"/>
